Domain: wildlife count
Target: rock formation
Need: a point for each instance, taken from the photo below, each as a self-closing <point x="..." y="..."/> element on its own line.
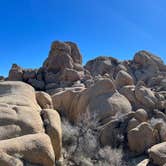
<point x="126" y="98"/>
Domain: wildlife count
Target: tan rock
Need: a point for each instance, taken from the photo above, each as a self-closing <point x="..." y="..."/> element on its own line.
<point x="141" y="138"/>
<point x="133" y="123"/>
<point x="141" y="115"/>
<point x="44" y="100"/>
<point x="109" y="134"/>
<point x="147" y="65"/>
<point x="21" y="126"/>
<point x="123" y="79"/>
<point x="19" y="111"/>
<point x="129" y="92"/>
<point x="18" y="94"/>
<point x="73" y="103"/>
<point x="63" y="55"/>
<point x="145" y="96"/>
<point x="102" y="65"/>
<point x="35" y="148"/>
<point x="145" y="162"/>
<point x="52" y="124"/>
<point x="157" y="154"/>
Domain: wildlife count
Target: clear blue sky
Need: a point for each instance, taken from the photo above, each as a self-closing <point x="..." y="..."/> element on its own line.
<point x="115" y="28"/>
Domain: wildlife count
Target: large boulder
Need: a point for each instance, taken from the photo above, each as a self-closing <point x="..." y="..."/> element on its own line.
<point x="147" y="59"/>
<point x="102" y="65"/>
<point x="141" y="138"/>
<point x="22" y="127"/>
<point x="15" y="93"/>
<point x="101" y="99"/>
<point x="123" y="79"/>
<point x="147" y="65"/>
<point x="35" y="148"/>
<point x="129" y="92"/>
<point x="157" y="154"/>
<point x="19" y="111"/>
<point x="141" y="115"/>
<point x="59" y="57"/>
<point x="62" y="55"/>
<point x="145" y="96"/>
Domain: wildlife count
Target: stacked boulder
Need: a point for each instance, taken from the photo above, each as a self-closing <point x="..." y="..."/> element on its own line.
<point x="62" y="68"/>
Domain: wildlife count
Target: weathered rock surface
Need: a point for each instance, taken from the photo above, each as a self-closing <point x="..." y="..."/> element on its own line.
<point x="35" y="148"/>
<point x="145" y="96"/>
<point x="141" y="115"/>
<point x="141" y="138"/>
<point x="73" y="103"/>
<point x="52" y="124"/>
<point x="7" y="160"/>
<point x="123" y="79"/>
<point x="22" y="132"/>
<point x="157" y="154"/>
<point x="44" y="100"/>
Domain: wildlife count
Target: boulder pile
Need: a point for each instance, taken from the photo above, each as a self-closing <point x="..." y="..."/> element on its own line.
<point x="127" y="98"/>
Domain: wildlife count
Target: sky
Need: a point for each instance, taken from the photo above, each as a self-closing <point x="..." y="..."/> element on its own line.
<point x="117" y="28"/>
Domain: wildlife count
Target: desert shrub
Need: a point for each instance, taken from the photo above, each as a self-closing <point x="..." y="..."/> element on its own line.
<point x="111" y="157"/>
<point x="81" y="145"/>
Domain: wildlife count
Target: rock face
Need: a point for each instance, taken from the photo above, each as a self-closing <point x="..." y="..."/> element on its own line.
<point x="21" y="126"/>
